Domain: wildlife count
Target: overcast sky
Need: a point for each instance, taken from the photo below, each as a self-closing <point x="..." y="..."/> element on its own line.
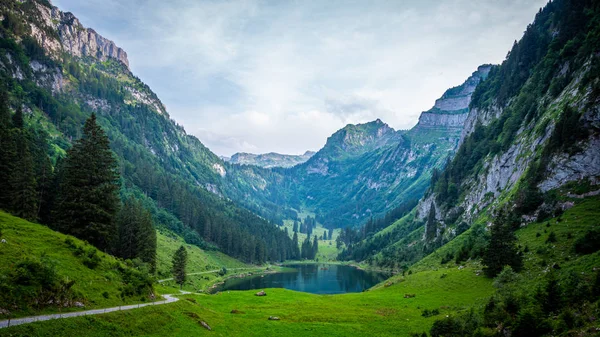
<point x="282" y="76"/>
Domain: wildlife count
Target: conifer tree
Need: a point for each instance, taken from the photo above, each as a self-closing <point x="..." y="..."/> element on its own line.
<point x="315" y="247"/>
<point x="502" y="248"/>
<point x="179" y="266"/>
<point x="136" y="234"/>
<point x="295" y="248"/>
<point x="89" y="200"/>
<point x="431" y="226"/>
<point x="7" y="150"/>
<point x="23" y="185"/>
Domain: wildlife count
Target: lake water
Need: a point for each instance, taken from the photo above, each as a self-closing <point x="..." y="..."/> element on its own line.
<point x="311" y="278"/>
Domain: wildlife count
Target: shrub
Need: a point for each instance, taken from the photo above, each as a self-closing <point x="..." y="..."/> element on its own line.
<point x="91" y="258"/>
<point x="105" y="294"/>
<point x="430" y="313"/>
<point x="551" y="238"/>
<point x="589" y="243"/>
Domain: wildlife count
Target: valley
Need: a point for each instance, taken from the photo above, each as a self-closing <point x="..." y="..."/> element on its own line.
<point x="481" y="220"/>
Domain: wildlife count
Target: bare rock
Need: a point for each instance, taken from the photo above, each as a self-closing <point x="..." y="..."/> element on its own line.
<point x="205" y="325"/>
<point x="261" y="293"/>
<point x="274" y="318"/>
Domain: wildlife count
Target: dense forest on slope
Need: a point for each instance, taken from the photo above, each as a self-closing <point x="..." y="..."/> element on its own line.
<point x="57" y="89"/>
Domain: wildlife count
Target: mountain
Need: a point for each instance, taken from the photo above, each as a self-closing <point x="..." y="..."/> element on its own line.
<point x="269" y="160"/>
<point x="59" y="73"/>
<point x="529" y="146"/>
<point x="363" y="170"/>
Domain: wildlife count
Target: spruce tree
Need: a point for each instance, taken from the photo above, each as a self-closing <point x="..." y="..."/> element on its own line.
<point x="23" y="185"/>
<point x="502" y="248"/>
<point x="7" y="150"/>
<point x="136" y="234"/>
<point x="89" y="200"/>
<point x="315" y="247"/>
<point x="431" y="226"/>
<point x="296" y="248"/>
<point x="179" y="266"/>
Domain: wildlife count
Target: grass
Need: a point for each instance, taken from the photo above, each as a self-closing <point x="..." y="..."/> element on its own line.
<point x="383" y="311"/>
<point x="26" y="240"/>
<point x="198" y="260"/>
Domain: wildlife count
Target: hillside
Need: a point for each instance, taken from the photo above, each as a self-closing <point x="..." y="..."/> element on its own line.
<point x="58" y="73"/>
<point x="41" y="267"/>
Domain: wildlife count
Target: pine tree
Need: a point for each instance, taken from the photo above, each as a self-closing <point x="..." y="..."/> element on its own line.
<point x="7" y="150"/>
<point x="296" y="248"/>
<point x="315" y="247"/>
<point x="89" y="200"/>
<point x="137" y="237"/>
<point x="179" y="266"/>
<point x="295" y="227"/>
<point x="23" y="185"/>
<point x="431" y="226"/>
<point x="502" y="248"/>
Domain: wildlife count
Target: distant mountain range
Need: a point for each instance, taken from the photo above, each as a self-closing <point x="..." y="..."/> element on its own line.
<point x="269" y="160"/>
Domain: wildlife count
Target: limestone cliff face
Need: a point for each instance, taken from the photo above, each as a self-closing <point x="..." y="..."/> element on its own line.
<point x="501" y="173"/>
<point x="452" y="109"/>
<point x="72" y="37"/>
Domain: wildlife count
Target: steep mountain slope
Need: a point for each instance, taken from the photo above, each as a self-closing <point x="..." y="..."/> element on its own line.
<point x="269" y="160"/>
<point x="60" y="72"/>
<point x="530" y="143"/>
<point x="363" y="170"/>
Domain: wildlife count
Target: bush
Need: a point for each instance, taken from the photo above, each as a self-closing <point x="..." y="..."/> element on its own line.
<point x="589" y="243"/>
<point x="551" y="238"/>
<point x="91" y="258"/>
<point x="430" y="313"/>
<point x="105" y="294"/>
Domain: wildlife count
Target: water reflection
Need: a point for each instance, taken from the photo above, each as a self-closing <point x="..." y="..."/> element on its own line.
<point x="311" y="278"/>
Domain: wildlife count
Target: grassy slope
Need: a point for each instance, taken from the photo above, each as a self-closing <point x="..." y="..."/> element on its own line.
<point x="198" y="261"/>
<point x="382" y="311"/>
<point x="26" y="240"/>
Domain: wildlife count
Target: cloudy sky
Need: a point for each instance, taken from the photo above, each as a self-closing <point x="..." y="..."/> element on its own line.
<point x="260" y="76"/>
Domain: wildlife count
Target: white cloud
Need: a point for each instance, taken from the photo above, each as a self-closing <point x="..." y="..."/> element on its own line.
<point x="283" y="75"/>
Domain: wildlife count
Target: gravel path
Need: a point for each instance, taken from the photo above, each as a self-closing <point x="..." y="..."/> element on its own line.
<point x="25" y="320"/>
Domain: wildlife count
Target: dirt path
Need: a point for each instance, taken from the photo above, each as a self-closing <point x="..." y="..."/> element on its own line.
<point x="25" y="320"/>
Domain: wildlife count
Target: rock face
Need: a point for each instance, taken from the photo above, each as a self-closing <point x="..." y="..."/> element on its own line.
<point x="73" y="37"/>
<point x="452" y="109"/>
<point x="269" y="160"/>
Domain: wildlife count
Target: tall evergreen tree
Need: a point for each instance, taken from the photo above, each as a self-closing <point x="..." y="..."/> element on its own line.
<point x="7" y="150"/>
<point x="502" y="248"/>
<point x="23" y="184"/>
<point x="431" y="226"/>
<point x="179" y="266"/>
<point x="89" y="200"/>
<point x="136" y="234"/>
<point x="295" y="247"/>
<point x="315" y="248"/>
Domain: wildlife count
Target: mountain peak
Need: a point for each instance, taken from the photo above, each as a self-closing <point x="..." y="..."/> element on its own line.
<point x="73" y="37"/>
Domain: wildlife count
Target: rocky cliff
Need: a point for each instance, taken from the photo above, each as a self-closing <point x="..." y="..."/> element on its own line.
<point x="532" y="131"/>
<point x="451" y="110"/>
<point x="72" y="36"/>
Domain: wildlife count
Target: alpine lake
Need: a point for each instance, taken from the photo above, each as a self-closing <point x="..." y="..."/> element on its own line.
<point x="310" y="278"/>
